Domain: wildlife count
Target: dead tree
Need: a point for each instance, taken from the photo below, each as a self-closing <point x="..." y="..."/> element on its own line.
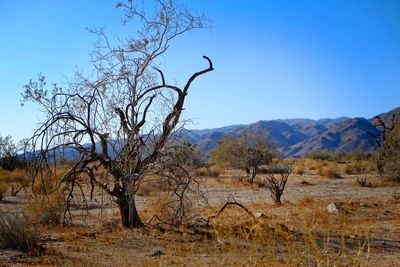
<point x="122" y="121"/>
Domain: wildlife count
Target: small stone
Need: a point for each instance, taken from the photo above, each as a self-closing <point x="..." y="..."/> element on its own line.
<point x="259" y="215"/>
<point x="332" y="208"/>
<point x="387" y="213"/>
<point x="157" y="253"/>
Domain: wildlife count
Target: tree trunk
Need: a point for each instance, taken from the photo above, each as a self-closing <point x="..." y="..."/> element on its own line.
<point x="252" y="174"/>
<point x="129" y="215"/>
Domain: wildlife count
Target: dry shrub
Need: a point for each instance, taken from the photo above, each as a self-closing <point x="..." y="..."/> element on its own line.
<point x="18" y="231"/>
<point x="308" y="200"/>
<point x="152" y="185"/>
<point x="362" y="181"/>
<point x="299" y="167"/>
<point x="276" y="180"/>
<point x="207" y="172"/>
<point x="14" y="176"/>
<point x="49" y="202"/>
<point x="329" y="170"/>
<point x="179" y="205"/>
<point x="358" y="167"/>
<point x="3" y="190"/>
<point x="312" y="164"/>
<point x="48" y="210"/>
<point x="280" y="245"/>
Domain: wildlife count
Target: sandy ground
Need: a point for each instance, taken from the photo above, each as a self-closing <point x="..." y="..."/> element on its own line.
<point x="374" y="206"/>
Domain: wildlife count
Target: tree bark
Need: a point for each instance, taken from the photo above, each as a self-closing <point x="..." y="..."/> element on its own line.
<point x="252" y="173"/>
<point x="129" y="215"/>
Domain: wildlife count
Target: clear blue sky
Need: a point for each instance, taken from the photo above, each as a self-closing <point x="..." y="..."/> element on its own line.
<point x="273" y="59"/>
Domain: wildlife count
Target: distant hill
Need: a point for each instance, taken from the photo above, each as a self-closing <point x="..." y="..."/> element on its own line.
<point x="299" y="137"/>
<point x="292" y="137"/>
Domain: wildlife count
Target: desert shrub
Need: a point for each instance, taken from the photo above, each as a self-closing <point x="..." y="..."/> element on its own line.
<point x="174" y="209"/>
<point x="356" y="155"/>
<point x="329" y="170"/>
<point x="321" y="154"/>
<point x="358" y="167"/>
<point x="276" y="181"/>
<point x="16" y="179"/>
<point x="3" y="190"/>
<point x="299" y="167"/>
<point x="362" y="181"/>
<point x="313" y="164"/>
<point x="154" y="183"/>
<point x="14" y="176"/>
<point x="48" y="210"/>
<point x="354" y="167"/>
<point x="247" y="153"/>
<point x="207" y="172"/>
<point x="18" y="231"/>
<point x="274" y="169"/>
<point x="187" y="155"/>
<point x="49" y="202"/>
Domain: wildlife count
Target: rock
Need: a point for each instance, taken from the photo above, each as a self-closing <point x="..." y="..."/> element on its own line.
<point x="387" y="213"/>
<point x="157" y="253"/>
<point x="332" y="208"/>
<point x="259" y="215"/>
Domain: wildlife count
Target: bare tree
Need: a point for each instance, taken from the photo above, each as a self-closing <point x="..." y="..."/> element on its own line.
<point x="122" y="120"/>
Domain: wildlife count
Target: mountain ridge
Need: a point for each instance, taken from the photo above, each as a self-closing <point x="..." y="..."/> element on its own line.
<point x="299" y="137"/>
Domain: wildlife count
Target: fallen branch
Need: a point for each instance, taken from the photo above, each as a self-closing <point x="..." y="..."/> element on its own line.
<point x="227" y="204"/>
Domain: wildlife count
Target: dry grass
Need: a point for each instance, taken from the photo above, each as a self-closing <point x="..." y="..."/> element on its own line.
<point x="208" y="172"/>
<point x="299" y="167"/>
<point x="15" y="176"/>
<point x="297" y="234"/>
<point x="301" y="232"/>
<point x="329" y="170"/>
<point x="359" y="167"/>
<point x="18" y="231"/>
<point x="47" y="210"/>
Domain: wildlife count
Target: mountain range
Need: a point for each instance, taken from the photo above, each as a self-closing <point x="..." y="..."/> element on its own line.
<point x="292" y="137"/>
<point x="299" y="137"/>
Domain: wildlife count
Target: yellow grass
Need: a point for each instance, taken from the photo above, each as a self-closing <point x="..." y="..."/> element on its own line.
<point x="301" y="232"/>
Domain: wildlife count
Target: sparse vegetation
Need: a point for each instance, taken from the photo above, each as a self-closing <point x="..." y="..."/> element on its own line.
<point x="329" y="170"/>
<point x="276" y="180"/>
<point x="18" y="231"/>
<point x="362" y="181"/>
<point x="208" y="171"/>
<point x="247" y="153"/>
<point x="108" y="178"/>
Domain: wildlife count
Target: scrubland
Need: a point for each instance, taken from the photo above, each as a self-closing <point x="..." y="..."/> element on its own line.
<point x="363" y="229"/>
